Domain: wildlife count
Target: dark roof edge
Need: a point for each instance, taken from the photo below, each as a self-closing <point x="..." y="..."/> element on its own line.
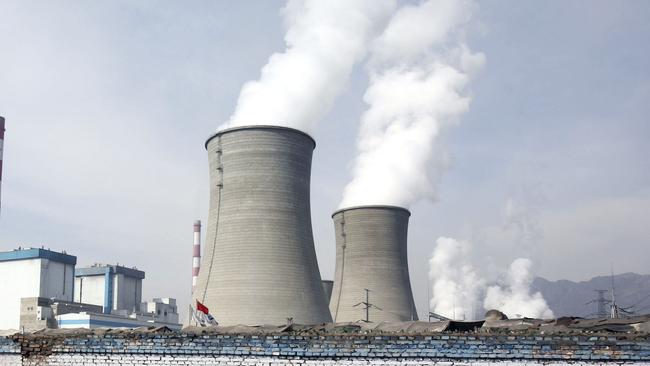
<point x="35" y="253"/>
<point x="97" y="271"/>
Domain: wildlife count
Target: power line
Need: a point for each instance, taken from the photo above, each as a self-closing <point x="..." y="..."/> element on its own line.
<point x="614" y="310"/>
<point x="367" y="305"/>
<point x="601" y="304"/>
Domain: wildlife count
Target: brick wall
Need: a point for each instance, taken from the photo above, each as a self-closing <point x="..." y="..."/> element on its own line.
<point x="285" y="349"/>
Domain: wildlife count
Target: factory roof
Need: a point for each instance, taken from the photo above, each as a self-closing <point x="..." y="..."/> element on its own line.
<point x="36" y="253"/>
<point x="100" y="270"/>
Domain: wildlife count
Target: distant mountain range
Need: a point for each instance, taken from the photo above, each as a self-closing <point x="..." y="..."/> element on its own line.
<point x="568" y="298"/>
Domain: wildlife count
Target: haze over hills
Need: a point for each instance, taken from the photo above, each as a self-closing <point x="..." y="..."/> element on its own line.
<point x="568" y="298"/>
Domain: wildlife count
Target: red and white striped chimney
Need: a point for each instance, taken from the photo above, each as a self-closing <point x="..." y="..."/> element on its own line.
<point x="2" y="140"/>
<point x="196" y="250"/>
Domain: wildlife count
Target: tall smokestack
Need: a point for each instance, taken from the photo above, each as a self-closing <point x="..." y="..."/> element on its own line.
<point x="371" y="254"/>
<point x="196" y="253"/>
<point x="2" y="140"/>
<point x="259" y="265"/>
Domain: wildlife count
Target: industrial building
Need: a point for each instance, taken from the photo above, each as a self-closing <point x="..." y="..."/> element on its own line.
<point x="40" y="312"/>
<point x="98" y="320"/>
<point x="371" y="254"/>
<point x="33" y="273"/>
<point x="115" y="288"/>
<point x="259" y="265"/>
<point x="162" y="310"/>
<point x="44" y="283"/>
<point x="159" y="312"/>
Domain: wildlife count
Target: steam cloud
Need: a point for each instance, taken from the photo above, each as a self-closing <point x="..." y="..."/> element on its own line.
<point x="461" y="291"/>
<point x="515" y="299"/>
<point x="457" y="286"/>
<point x="419" y="69"/>
<point x="324" y="40"/>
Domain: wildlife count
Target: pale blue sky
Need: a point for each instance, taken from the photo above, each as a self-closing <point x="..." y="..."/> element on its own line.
<point x="108" y="105"/>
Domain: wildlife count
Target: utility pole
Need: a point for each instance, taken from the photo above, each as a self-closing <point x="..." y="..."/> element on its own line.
<point x="601" y="304"/>
<point x="367" y="305"/>
<point x="613" y="308"/>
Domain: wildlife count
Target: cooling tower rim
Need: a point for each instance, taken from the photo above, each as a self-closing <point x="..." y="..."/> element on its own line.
<point x="258" y="127"/>
<point x="388" y="207"/>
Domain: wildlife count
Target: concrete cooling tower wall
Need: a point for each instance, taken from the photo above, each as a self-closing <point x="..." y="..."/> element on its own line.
<point x="327" y="287"/>
<point x="371" y="254"/>
<point x="259" y="264"/>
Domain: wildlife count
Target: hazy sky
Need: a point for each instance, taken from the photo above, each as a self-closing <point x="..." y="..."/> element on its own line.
<point x="108" y="105"/>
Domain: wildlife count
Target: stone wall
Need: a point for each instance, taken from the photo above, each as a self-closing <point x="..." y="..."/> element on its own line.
<point x="203" y="349"/>
<point x="9" y="352"/>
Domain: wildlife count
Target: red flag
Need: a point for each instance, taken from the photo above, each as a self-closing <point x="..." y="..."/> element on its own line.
<point x="202" y="308"/>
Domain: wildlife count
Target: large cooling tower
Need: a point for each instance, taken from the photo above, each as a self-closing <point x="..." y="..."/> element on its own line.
<point x="371" y="254"/>
<point x="259" y="265"/>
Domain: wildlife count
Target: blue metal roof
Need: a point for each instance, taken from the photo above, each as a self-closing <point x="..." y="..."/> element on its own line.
<point x="35" y="253"/>
<point x="101" y="270"/>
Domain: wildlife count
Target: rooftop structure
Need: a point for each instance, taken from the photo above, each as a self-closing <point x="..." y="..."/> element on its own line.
<point x="160" y="310"/>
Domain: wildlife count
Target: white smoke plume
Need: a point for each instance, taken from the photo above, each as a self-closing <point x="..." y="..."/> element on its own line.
<point x="460" y="288"/>
<point x="522" y="219"/>
<point x="514" y="299"/>
<point x="456" y="286"/>
<point x="419" y="69"/>
<point x="324" y="40"/>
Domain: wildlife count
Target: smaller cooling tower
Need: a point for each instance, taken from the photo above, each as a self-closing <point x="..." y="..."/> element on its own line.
<point x="371" y="254"/>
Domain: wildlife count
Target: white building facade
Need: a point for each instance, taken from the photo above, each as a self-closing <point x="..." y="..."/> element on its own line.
<point x="33" y="272"/>
<point x="117" y="289"/>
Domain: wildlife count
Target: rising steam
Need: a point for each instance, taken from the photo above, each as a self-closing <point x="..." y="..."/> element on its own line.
<point x="456" y="285"/>
<point x="419" y="69"/>
<point x="324" y="40"/>
<point x="515" y="298"/>
<point x="460" y="288"/>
